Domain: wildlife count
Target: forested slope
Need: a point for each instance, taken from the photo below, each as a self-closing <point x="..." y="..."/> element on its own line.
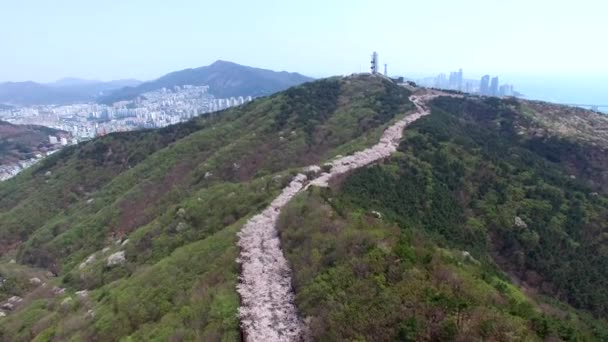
<point x="429" y="244"/>
<point x="146" y="221"/>
<point x="488" y="223"/>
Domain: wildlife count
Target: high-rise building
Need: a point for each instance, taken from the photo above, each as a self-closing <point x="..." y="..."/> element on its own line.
<point x="453" y="80"/>
<point x="494" y="86"/>
<point x="460" y="79"/>
<point x="456" y="80"/>
<point x="506" y="90"/>
<point x="374" y="62"/>
<point x="440" y="81"/>
<point x="468" y="87"/>
<point x="484" y="85"/>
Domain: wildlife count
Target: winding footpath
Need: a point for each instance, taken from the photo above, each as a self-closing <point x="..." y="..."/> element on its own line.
<point x="268" y="312"/>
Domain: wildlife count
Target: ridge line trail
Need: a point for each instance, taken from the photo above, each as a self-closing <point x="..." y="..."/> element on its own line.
<point x="268" y="312"/>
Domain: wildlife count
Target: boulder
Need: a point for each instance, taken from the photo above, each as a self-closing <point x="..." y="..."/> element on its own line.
<point x="88" y="261"/>
<point x="82" y="293"/>
<point x="117" y="258"/>
<point x="66" y="301"/>
<point x="15" y="299"/>
<point x="519" y="223"/>
<point x="90" y="313"/>
<point x="58" y="290"/>
<point x="377" y="214"/>
<point x="35" y="281"/>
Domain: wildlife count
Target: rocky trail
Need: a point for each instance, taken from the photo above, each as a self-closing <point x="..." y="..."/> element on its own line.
<point x="268" y="311"/>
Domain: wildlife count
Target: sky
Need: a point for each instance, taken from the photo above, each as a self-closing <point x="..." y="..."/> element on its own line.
<point x="45" y="40"/>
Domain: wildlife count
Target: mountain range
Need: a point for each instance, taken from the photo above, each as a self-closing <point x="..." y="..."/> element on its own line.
<point x="63" y="91"/>
<point x="450" y="218"/>
<point x="225" y="79"/>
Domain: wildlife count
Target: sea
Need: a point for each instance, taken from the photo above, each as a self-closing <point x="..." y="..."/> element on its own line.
<point x="563" y="89"/>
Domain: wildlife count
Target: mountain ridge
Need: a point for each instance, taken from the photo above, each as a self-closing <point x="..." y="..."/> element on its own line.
<point x="65" y="91"/>
<point x="146" y="223"/>
<point x="225" y="79"/>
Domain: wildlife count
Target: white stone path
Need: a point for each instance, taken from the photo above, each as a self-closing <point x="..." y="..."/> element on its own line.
<point x="267" y="311"/>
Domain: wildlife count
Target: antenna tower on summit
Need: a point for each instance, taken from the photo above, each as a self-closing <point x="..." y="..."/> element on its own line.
<point x="374" y="62"/>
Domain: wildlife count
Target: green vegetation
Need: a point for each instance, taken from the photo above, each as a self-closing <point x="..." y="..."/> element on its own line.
<point x="358" y="277"/>
<point x="225" y="79"/>
<point x="178" y="195"/>
<point x="415" y="248"/>
<point x="431" y="244"/>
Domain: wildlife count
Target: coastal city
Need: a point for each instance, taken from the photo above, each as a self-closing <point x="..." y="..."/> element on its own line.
<point x="81" y="122"/>
<point x="486" y="86"/>
<point x="153" y="109"/>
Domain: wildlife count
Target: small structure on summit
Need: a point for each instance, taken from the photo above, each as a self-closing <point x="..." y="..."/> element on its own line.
<point x="374" y="63"/>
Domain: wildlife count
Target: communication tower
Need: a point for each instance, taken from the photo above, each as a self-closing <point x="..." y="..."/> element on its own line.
<point x="374" y="62"/>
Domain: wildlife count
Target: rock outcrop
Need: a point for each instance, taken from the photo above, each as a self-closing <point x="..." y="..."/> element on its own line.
<point x="117" y="258"/>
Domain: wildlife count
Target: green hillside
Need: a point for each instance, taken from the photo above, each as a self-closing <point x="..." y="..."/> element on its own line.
<point x="487" y="224"/>
<point x="428" y="245"/>
<point x="172" y="201"/>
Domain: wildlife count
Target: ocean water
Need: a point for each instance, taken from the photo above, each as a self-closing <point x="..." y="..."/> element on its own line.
<point x="566" y="90"/>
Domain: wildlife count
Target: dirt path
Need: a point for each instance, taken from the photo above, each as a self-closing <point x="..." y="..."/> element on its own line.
<point x="267" y="311"/>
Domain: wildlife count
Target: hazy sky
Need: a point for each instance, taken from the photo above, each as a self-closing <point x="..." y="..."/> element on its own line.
<point x="44" y="40"/>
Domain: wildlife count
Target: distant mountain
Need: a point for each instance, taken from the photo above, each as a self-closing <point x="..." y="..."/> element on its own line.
<point x="78" y="82"/>
<point x="225" y="79"/>
<point x="72" y="81"/>
<point x="67" y="90"/>
<point x="27" y="93"/>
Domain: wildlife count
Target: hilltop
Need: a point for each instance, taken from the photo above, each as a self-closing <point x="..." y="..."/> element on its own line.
<point x="225" y="79"/>
<point x="472" y="228"/>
